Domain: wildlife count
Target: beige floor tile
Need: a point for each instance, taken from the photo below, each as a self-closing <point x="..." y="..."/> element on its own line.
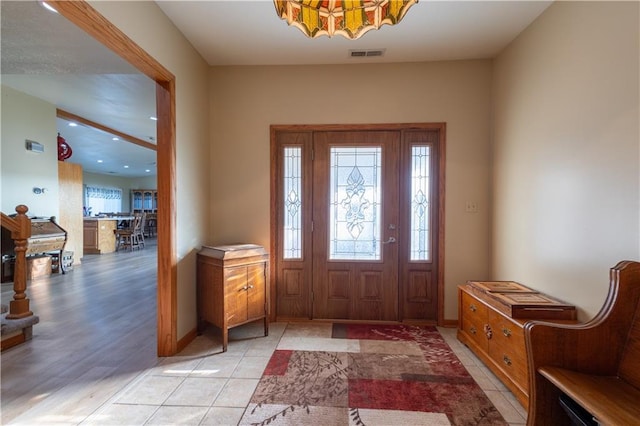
<point x="481" y="378"/>
<point x="261" y="348"/>
<point x="276" y="329"/>
<point x="516" y="404"/>
<point x="168" y="416"/>
<point x="219" y="365"/>
<point x="251" y="367"/>
<point x="308" y="329"/>
<point x="222" y="416"/>
<point x="151" y="390"/>
<point x="121" y="414"/>
<point x="175" y="366"/>
<point x="497" y="383"/>
<point x="236" y="393"/>
<point x="196" y="391"/>
<point x="505" y="408"/>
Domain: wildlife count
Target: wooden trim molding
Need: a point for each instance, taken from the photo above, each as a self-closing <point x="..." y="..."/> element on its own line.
<point x="127" y="138"/>
<point x="81" y="14"/>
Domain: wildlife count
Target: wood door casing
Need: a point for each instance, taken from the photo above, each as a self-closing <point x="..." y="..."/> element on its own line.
<point x="420" y="286"/>
<point x="356" y="289"/>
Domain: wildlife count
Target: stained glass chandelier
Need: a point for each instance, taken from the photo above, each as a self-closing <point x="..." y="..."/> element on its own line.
<point x="349" y="18"/>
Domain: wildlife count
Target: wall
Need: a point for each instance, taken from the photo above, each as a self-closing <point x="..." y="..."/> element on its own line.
<point x="124" y="183"/>
<point x="247" y="100"/>
<point x="145" y="24"/>
<point x="26" y="117"/>
<point x="566" y="151"/>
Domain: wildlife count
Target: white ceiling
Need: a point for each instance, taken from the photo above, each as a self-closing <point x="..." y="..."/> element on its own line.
<point x="243" y="32"/>
<point x="45" y="56"/>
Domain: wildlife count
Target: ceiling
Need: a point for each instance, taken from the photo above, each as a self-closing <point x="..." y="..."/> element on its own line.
<point x="47" y="57"/>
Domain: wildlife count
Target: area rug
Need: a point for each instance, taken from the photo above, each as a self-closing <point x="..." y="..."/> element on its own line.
<point x="391" y="375"/>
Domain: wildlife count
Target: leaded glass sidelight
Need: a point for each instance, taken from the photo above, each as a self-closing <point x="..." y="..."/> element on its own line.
<point x="420" y="204"/>
<point x="354" y="197"/>
<point x="292" y="241"/>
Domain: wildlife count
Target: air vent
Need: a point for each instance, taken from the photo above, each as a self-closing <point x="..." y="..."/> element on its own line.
<point x="366" y="53"/>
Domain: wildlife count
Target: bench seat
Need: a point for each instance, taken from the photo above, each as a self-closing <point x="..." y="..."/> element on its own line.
<point x="596" y="364"/>
<point x="609" y="399"/>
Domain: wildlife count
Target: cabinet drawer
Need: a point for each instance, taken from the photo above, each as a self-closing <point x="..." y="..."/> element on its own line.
<point x="507" y="347"/>
<point x="473" y="309"/>
<point x="476" y="333"/>
<point x="512" y="361"/>
<point x="506" y="332"/>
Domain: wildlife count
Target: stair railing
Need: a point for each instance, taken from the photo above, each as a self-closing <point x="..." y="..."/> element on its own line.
<point x="20" y="227"/>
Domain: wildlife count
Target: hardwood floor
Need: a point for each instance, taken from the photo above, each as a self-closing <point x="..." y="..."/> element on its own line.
<point x="97" y="331"/>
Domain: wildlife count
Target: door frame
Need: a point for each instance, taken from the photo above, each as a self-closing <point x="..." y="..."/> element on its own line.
<point x="274" y="173"/>
<point x="84" y="16"/>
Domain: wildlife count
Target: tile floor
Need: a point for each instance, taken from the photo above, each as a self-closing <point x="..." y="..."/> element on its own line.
<point x="203" y="386"/>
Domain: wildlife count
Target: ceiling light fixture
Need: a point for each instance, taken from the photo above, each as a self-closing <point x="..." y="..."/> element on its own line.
<point x="350" y="19"/>
<point x="72" y="124"/>
<point x="153" y="118"/>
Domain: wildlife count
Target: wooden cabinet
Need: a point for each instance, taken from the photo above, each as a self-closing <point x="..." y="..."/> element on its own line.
<point x="232" y="287"/>
<point x="144" y="200"/>
<point x="490" y="323"/>
<point x="99" y="237"/>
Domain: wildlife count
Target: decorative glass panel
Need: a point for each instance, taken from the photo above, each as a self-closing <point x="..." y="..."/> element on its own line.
<point x="354" y="197"/>
<point x="292" y="203"/>
<point x="420" y="204"/>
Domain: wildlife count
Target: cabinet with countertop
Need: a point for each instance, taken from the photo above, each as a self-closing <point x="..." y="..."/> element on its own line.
<point x="99" y="236"/>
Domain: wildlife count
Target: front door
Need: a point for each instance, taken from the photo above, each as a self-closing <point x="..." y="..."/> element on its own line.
<point x="355" y="220"/>
<point x="356" y="223"/>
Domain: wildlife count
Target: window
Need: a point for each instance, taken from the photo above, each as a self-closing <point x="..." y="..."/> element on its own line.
<point x="102" y="200"/>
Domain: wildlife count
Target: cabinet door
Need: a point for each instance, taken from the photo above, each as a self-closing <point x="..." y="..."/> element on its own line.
<point x="235" y="295"/>
<point x="256" y="291"/>
<point x="90" y="235"/>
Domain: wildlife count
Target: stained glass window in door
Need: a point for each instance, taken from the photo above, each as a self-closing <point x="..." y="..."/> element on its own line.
<point x="420" y="204"/>
<point x="292" y="241"/>
<point x="354" y="203"/>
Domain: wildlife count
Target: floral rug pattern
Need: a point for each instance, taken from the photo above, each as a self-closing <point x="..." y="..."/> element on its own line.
<point x="402" y="375"/>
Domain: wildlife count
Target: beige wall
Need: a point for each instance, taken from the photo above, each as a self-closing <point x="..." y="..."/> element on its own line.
<point x="566" y="151"/>
<point x="145" y="24"/>
<point x="245" y="101"/>
<point x="26" y="117"/>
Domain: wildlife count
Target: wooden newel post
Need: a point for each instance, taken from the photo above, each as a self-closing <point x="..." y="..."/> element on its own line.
<point x="19" y="306"/>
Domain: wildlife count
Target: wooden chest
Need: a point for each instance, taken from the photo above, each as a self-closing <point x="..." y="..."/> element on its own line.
<point x="491" y="319"/>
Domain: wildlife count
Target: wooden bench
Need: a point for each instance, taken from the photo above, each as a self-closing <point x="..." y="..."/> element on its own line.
<point x="595" y="364"/>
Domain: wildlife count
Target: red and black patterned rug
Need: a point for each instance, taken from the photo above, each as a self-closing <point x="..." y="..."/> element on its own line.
<point x="394" y="375"/>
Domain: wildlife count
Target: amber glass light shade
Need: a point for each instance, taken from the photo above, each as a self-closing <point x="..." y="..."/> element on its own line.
<point x="350" y="19"/>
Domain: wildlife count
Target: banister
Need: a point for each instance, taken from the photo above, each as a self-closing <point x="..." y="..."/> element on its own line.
<point x="20" y="227"/>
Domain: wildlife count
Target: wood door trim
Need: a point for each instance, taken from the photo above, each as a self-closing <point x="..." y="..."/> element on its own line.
<point x="275" y="128"/>
<point x="81" y="14"/>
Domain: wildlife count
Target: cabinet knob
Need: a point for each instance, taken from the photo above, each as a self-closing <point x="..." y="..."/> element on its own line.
<point x="245" y="288"/>
<point x="506" y="332"/>
<point x="473" y="308"/>
<point x="473" y="330"/>
<point x="250" y="285"/>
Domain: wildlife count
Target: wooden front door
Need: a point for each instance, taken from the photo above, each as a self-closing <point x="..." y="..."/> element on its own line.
<point x="356" y="223"/>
